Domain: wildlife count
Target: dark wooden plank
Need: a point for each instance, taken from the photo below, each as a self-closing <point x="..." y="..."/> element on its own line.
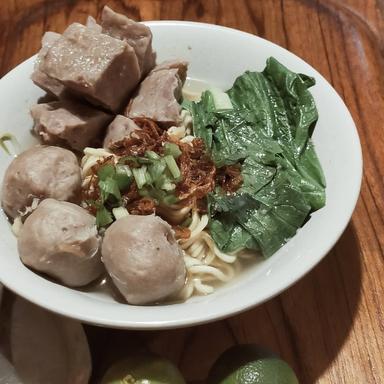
<point x="330" y="325"/>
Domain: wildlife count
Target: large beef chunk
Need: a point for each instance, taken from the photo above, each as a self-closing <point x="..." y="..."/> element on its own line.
<point x="69" y="123"/>
<point x="99" y="67"/>
<point x="52" y="86"/>
<point x="137" y="35"/>
<point x="159" y="94"/>
<point x="92" y="23"/>
<point x="180" y="65"/>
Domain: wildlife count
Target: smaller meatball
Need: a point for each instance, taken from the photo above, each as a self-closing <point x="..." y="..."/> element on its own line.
<point x="120" y="128"/>
<point x="143" y="259"/>
<point x="61" y="240"/>
<point x="158" y="97"/>
<point x="41" y="172"/>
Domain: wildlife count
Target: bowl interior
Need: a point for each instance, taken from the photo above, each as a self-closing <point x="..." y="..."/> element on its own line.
<point x="217" y="55"/>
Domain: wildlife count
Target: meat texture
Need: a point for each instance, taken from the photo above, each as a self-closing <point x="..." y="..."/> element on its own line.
<point x="143" y="259"/>
<point x="50" y="85"/>
<point x="137" y="35"/>
<point x="61" y="240"/>
<point x="120" y="128"/>
<point x="159" y="94"/>
<point x="69" y="123"/>
<point x="41" y="171"/>
<point x="180" y="65"/>
<point x="99" y="67"/>
<point x="92" y="24"/>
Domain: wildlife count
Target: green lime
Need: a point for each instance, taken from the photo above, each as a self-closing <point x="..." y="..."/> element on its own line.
<point x="249" y="364"/>
<point x="143" y="369"/>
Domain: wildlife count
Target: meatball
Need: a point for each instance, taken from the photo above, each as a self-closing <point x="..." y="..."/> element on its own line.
<point x="41" y="171"/>
<point x="61" y="240"/>
<point x="143" y="258"/>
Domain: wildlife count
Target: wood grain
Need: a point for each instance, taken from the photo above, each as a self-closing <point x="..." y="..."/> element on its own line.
<point x="330" y="325"/>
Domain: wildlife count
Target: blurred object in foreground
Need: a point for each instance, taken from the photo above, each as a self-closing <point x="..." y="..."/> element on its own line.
<point x="7" y="372"/>
<point x="43" y="348"/>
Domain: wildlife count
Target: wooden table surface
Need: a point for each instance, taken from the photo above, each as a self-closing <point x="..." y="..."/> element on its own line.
<point x="330" y="325"/>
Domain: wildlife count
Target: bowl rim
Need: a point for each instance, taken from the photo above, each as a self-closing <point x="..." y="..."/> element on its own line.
<point x="240" y="305"/>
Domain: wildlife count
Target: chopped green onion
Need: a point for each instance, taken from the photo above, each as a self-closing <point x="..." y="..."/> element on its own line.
<point x="158" y="195"/>
<point x="136" y="160"/>
<point x="153" y="193"/>
<point x="131" y="159"/>
<point x="157" y="169"/>
<point x="161" y="180"/>
<point x="103" y="217"/>
<point x="144" y="160"/>
<point x="9" y="137"/>
<point x="144" y="192"/>
<point x="148" y="178"/>
<point x="172" y="166"/>
<point x="152" y="155"/>
<point x="109" y="187"/>
<point x="172" y="149"/>
<point x="154" y="175"/>
<point x="123" y="176"/>
<point x="123" y="169"/>
<point x="168" y="186"/>
<point x="170" y="199"/>
<point x="107" y="170"/>
<point x="120" y="212"/>
<point x="139" y="175"/>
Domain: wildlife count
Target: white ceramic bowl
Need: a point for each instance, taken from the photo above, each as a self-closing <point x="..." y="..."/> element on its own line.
<point x="216" y="55"/>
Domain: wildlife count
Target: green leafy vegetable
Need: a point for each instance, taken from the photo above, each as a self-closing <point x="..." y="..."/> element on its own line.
<point x="268" y="132"/>
<point x="229" y="235"/>
<point x="204" y="118"/>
